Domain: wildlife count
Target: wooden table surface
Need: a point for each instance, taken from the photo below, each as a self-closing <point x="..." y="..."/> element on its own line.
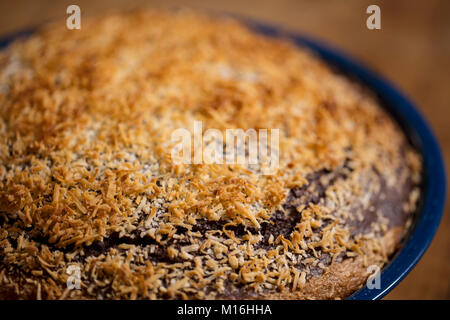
<point x="412" y="49"/>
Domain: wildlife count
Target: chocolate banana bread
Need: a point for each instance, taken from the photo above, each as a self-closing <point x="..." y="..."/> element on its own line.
<point x="93" y="205"/>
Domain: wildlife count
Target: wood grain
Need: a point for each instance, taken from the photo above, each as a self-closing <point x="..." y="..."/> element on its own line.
<point x="412" y="49"/>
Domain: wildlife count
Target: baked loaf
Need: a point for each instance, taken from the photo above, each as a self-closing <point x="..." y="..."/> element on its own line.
<point x="88" y="182"/>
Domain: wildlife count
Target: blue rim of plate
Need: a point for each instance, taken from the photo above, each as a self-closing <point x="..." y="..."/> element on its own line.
<point x="421" y="136"/>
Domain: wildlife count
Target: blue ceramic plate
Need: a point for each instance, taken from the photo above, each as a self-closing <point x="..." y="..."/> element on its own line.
<point x="420" y="135"/>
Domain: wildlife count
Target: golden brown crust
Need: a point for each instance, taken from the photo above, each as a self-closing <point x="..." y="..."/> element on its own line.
<point x="341" y="279"/>
<point x="87" y="178"/>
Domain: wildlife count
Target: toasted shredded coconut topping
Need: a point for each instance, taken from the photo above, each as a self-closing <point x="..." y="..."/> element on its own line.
<point x="87" y="178"/>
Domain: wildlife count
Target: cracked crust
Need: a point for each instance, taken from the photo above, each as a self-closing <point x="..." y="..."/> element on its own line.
<point x="87" y="179"/>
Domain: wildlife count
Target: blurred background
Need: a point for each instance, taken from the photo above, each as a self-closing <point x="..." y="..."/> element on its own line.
<point x="412" y="49"/>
